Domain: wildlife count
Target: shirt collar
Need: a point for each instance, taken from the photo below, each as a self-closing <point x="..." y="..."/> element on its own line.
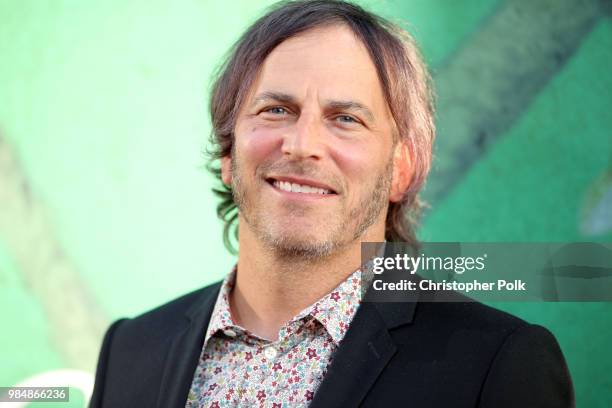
<point x="334" y="311"/>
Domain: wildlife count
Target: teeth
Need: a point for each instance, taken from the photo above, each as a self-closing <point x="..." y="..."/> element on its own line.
<point x="299" y="188"/>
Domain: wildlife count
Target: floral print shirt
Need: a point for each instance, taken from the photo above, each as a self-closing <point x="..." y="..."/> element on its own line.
<point x="239" y="369"/>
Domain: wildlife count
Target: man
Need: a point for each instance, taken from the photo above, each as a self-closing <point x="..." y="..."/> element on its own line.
<point x="323" y="127"/>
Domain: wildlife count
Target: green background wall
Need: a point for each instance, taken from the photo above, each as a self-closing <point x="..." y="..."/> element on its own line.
<point x="105" y="210"/>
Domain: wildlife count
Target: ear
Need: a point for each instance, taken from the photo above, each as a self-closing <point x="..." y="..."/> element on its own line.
<point x="402" y="172"/>
<point x="226" y="169"/>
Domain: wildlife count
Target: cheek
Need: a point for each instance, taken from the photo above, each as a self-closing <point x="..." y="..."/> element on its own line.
<point x="358" y="162"/>
<point x="257" y="143"/>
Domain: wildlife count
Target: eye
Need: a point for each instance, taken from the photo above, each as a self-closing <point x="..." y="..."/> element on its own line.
<point x="276" y="110"/>
<point x="346" y="119"/>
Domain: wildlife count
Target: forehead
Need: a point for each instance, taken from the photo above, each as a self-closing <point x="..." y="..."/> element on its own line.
<point x="329" y="62"/>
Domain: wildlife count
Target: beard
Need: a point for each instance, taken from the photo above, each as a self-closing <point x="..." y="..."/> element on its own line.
<point x="345" y="227"/>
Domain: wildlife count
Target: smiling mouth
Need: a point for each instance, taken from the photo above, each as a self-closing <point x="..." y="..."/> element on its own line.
<point x="292" y="187"/>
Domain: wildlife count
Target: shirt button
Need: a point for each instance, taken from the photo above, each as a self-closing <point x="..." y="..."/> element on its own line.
<point x="270" y="352"/>
<point x="229" y="333"/>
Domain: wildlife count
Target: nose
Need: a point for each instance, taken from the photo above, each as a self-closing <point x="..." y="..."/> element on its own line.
<point x="304" y="140"/>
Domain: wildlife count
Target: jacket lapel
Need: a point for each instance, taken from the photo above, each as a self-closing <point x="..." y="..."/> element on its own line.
<point x="362" y="355"/>
<point x="184" y="352"/>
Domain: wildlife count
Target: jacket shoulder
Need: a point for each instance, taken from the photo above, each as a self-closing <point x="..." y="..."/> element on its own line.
<point x="479" y="348"/>
<point x="463" y="313"/>
<point x="166" y="319"/>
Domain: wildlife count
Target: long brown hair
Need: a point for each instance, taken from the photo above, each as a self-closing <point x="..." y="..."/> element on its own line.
<point x="403" y="77"/>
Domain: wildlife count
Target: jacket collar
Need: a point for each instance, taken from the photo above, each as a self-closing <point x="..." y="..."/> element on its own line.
<point x="184" y="351"/>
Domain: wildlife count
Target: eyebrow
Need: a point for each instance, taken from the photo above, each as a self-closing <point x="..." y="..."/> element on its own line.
<point x="330" y="104"/>
<point x="274" y="96"/>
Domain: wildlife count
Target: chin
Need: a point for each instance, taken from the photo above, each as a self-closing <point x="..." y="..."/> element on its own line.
<point x="302" y="246"/>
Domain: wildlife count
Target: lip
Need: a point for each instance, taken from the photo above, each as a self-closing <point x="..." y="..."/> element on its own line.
<point x="302" y="181"/>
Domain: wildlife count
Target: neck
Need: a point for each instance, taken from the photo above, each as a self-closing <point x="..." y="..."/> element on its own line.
<point x="270" y="290"/>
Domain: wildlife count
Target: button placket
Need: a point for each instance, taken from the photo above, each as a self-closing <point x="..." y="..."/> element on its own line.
<point x="270" y="352"/>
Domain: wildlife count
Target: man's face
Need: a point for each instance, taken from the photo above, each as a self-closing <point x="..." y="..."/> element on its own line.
<point x="312" y="161"/>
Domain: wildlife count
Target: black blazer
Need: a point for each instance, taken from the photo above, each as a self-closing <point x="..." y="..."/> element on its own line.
<point x="415" y="354"/>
